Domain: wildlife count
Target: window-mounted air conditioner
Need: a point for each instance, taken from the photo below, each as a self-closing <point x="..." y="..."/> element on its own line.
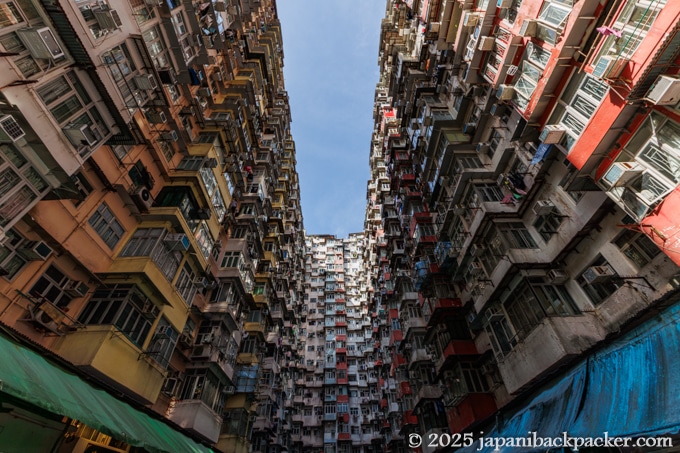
<point x="482" y="147"/>
<point x="204" y="92"/>
<point x="528" y="28"/>
<point x="470" y="19"/>
<point x="210" y="162"/>
<point x="505" y="92"/>
<point x="178" y="241"/>
<point x="41" y="43"/>
<point x="598" y="274"/>
<point x="476" y="249"/>
<point x="474" y="268"/>
<point x="146" y="82"/>
<point x="35" y="251"/>
<point x="220" y="6"/>
<point x="76" y="289"/>
<point x="164" y="331"/>
<point x="10" y="131"/>
<point x="557" y="276"/>
<point x="665" y="91"/>
<point x="543" y="207"/>
<point x="108" y="20"/>
<point x="486" y="43"/>
<point x="621" y="173"/>
<point x="80" y="135"/>
<point x="170" y="136"/>
<point x="156" y="117"/>
<point x="609" y="67"/>
<point x="552" y="134"/>
<point x="498" y="110"/>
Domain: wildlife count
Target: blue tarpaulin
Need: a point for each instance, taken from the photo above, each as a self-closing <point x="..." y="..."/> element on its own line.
<point x="630" y="388"/>
<point x="541" y="153"/>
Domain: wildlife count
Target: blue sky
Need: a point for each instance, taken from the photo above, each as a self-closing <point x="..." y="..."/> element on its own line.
<point x="331" y="69"/>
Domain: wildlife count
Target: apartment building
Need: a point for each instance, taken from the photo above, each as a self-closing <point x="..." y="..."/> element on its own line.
<point x="520" y="215"/>
<point x="337" y="391"/>
<point x="152" y="235"/>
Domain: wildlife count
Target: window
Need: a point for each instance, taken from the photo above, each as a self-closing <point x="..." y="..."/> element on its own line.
<point x="202" y="384"/>
<point x="163" y="342"/>
<point x="517" y="236"/>
<point x="547" y="225"/>
<point x="582" y="96"/>
<point x="106" y="226"/>
<point x="72" y="107"/>
<point x="637" y="247"/>
<point x="10" y="261"/>
<point x="156" y="46"/>
<point x="149" y="242"/>
<point x="634" y="21"/>
<point x="598" y="292"/>
<point x="122" y="69"/>
<point x="124" y="306"/>
<point x="204" y="240"/>
<point x="526" y="83"/>
<point x="21" y="186"/>
<point x="185" y="283"/>
<point x="83" y="186"/>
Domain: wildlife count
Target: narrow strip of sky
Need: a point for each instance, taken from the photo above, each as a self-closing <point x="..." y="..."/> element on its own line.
<point x="330" y="69"/>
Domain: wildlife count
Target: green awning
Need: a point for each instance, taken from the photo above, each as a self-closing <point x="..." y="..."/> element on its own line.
<point x="26" y="375"/>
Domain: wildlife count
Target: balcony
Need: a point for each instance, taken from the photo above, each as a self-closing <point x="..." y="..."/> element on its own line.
<point x="107" y="353"/>
<point x="444" y="307"/>
<point x="197" y="417"/>
<point x="428" y="392"/>
<point x="554" y="341"/>
<point x="455" y="349"/>
<point x="474" y="408"/>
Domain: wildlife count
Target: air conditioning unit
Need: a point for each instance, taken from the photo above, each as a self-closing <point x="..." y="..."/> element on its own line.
<point x="201" y="352"/>
<point x="557" y="276"/>
<point x="469" y="128"/>
<point x="146" y="82"/>
<point x="171" y="386"/>
<point x="552" y="134"/>
<point x="501" y="179"/>
<point x="512" y="70"/>
<point x="665" y="91"/>
<point x="543" y="207"/>
<point x="621" y="173"/>
<point x="35" y="251"/>
<point x="108" y="20"/>
<point x="80" y="135"/>
<point x="41" y="43"/>
<point x="407" y="345"/>
<point x="210" y="162"/>
<point x="156" y="117"/>
<point x="10" y="131"/>
<point x="170" y="136"/>
<point x="528" y="28"/>
<point x="76" y="289"/>
<point x="609" y="67"/>
<point x="220" y="6"/>
<point x="598" y="274"/>
<point x="459" y="209"/>
<point x="470" y="19"/>
<point x="204" y="92"/>
<point x="202" y="282"/>
<point x="150" y="311"/>
<point x="164" y="331"/>
<point x="476" y="249"/>
<point x="505" y="92"/>
<point x="142" y="198"/>
<point x="474" y="268"/>
<point x="486" y="43"/>
<point x="178" y="241"/>
<point x="504" y="3"/>
<point x="482" y="147"/>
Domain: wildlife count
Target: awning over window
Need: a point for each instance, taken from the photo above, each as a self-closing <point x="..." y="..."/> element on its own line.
<point x="28" y="376"/>
<point x="630" y="388"/>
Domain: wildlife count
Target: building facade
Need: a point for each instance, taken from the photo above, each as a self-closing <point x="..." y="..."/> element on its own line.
<point x="150" y="216"/>
<point x="520" y="211"/>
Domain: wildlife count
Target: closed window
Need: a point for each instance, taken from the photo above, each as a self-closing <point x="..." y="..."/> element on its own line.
<point x="11" y="262"/>
<point x="124" y="306"/>
<point x="106" y="226"/>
